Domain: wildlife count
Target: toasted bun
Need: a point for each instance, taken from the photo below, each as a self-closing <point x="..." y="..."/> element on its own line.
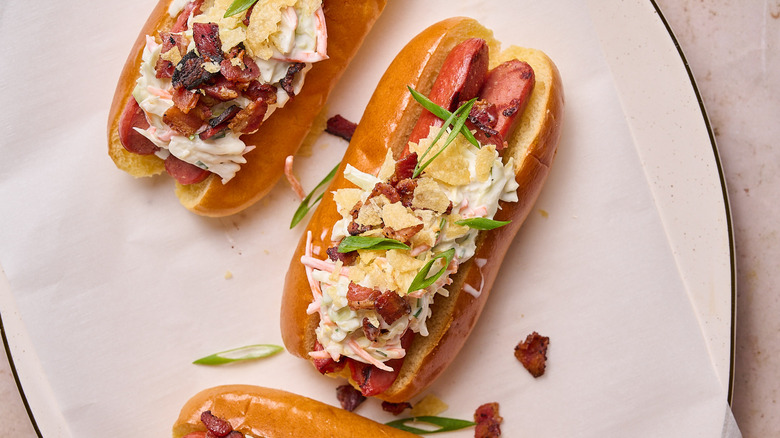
<point x="270" y="413"/>
<point x="386" y="124"/>
<point x="281" y="135"/>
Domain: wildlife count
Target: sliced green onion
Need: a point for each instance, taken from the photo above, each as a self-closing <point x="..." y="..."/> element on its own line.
<point x="458" y="120"/>
<point x="238" y="6"/>
<point x="351" y="243"/>
<point x="482" y="223"/>
<point x="421" y="280"/>
<point x="441" y="113"/>
<point x="304" y="208"/>
<point x="443" y="424"/>
<point x="237" y="354"/>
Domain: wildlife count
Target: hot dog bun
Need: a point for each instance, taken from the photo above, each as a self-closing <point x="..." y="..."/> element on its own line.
<point x="348" y="22"/>
<point x="386" y="124"/>
<point x="265" y="412"/>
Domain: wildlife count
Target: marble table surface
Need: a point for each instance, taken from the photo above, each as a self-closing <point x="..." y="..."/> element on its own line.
<point x="733" y="48"/>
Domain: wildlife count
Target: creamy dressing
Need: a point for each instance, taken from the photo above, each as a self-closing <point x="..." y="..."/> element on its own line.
<point x="340" y="330"/>
<point x="298" y="34"/>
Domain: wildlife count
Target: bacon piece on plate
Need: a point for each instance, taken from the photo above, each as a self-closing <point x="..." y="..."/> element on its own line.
<point x="488" y="421"/>
<point x="532" y="353"/>
<point x="395" y="408"/>
<point x="349" y="397"/>
<point x="340" y="127"/>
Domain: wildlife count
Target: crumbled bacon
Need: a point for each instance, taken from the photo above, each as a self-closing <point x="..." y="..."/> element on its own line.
<point x="221" y="89"/>
<point x="347" y="258"/>
<point x="189" y="73"/>
<point x="402" y="235"/>
<point x="340" y="127"/>
<point x="361" y="297"/>
<point x="391" y="306"/>
<point x="215" y="425"/>
<point x="356" y="209"/>
<point x="405" y="189"/>
<point x="220" y="123"/>
<point x="287" y="81"/>
<point x="484" y="117"/>
<point x="248" y="120"/>
<point x="386" y="189"/>
<point x="188" y="123"/>
<point x="165" y="68"/>
<point x="246" y="71"/>
<point x="371" y="332"/>
<point x="248" y="15"/>
<point x="532" y="353"/>
<point x="488" y="421"/>
<point x="354" y="228"/>
<point x="404" y="168"/>
<point x="206" y="37"/>
<point x="185" y="99"/>
<point x="349" y="397"/>
<point x="257" y="91"/>
<point x="395" y="408"/>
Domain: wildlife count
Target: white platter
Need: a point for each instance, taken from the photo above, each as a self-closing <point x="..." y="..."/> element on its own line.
<point x="627" y="264"/>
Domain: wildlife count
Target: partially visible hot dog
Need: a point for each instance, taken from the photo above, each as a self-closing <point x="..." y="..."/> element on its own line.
<point x="320" y="321"/>
<point x="246" y="410"/>
<point x="193" y="88"/>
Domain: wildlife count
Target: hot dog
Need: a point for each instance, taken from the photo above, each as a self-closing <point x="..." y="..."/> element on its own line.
<point x="362" y="314"/>
<point x="247" y="410"/>
<point x="220" y="102"/>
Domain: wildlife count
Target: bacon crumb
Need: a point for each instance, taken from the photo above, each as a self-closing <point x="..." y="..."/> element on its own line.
<point x="532" y="353"/>
<point x="488" y="421"/>
<point x="395" y="408"/>
<point x="347" y="258"/>
<point x="349" y="397"/>
<point x="340" y="127"/>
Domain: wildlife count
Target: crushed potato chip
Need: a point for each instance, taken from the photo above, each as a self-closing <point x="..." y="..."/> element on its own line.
<point x="451" y="166"/>
<point x="426" y="236"/>
<point x="388" y="167"/>
<point x="346" y="199"/>
<point x="264" y="22"/>
<point x="486" y="156"/>
<point x="370" y="214"/>
<point x="398" y="217"/>
<point x="173" y="55"/>
<point x="430" y="405"/>
<point x="452" y="230"/>
<point x="428" y="195"/>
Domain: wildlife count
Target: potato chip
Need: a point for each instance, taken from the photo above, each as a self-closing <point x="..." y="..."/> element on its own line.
<point x="451" y="166"/>
<point x="452" y="230"/>
<point x="369" y="215"/>
<point x="346" y="199"/>
<point x="264" y="21"/>
<point x="388" y="167"/>
<point x="398" y="217"/>
<point x="428" y="195"/>
<point x="486" y="156"/>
